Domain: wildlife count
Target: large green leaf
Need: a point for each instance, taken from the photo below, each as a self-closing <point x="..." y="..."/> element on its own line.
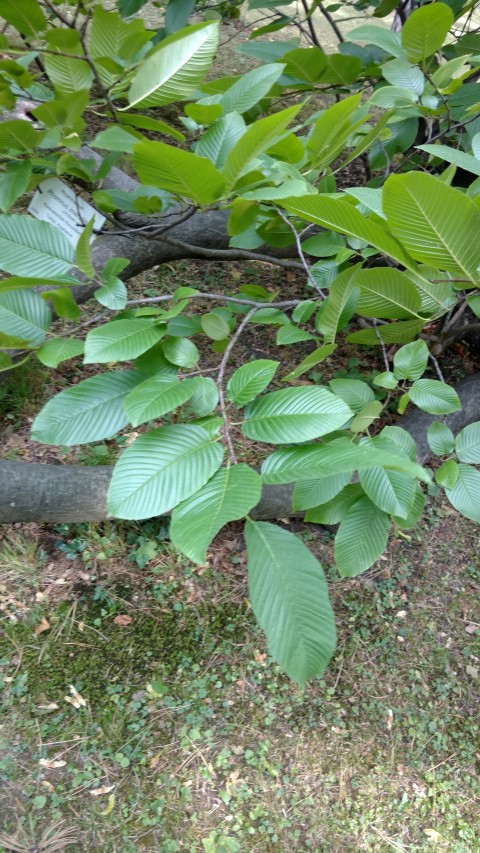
<point x="18" y="135"/>
<point x="24" y="315"/>
<point x="452" y="155"/>
<point x="391" y="491"/>
<point x="335" y="457"/>
<point x="294" y="415"/>
<point x="289" y="597"/>
<point x="361" y="538"/>
<point x="228" y="496"/>
<point x="120" y="340"/>
<point x="401" y="73"/>
<point x="380" y="37"/>
<point x="339" y="304"/>
<point x="112" y="37"/>
<point x="257" y="138"/>
<point x="250" y="88"/>
<point x="205" y="396"/>
<point x="333" y="511"/>
<point x="180" y="172"/>
<point x="386" y="294"/>
<point x="391" y="333"/>
<point x="331" y="131"/>
<point x="32" y="248"/>
<point x="467" y="444"/>
<point x="250" y="380"/>
<point x="219" y="139"/>
<point x="175" y="70"/>
<point x="68" y="75"/>
<point x="311" y="493"/>
<point x="25" y="15"/>
<point x="90" y="411"/>
<point x="465" y="495"/>
<point x="156" y="396"/>
<point x="355" y="393"/>
<point x="438" y="225"/>
<point x="425" y="30"/>
<point x="343" y="217"/>
<point x="160" y="469"/>
<point x="410" y="361"/>
<point x="434" y="397"/>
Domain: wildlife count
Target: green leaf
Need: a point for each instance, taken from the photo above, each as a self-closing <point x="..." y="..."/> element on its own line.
<point x="339" y="305"/>
<point x="250" y="88"/>
<point x="160" y="469"/>
<point x="120" y="340"/>
<point x="257" y="138"/>
<point x="467" y="444"/>
<point x="361" y="539"/>
<point x="452" y="155"/>
<point x="111" y="37"/>
<point x="400" y="73"/>
<point x="177" y="14"/>
<point x="390" y="333"/>
<point x="116" y="138"/>
<point x="438" y="225"/>
<point x="63" y="302"/>
<point x="389" y="97"/>
<point x="386" y="294"/>
<point x="205" y="397"/>
<point x="53" y="352"/>
<point x="395" y="438"/>
<point x="149" y="123"/>
<point x="465" y="495"/>
<point x="414" y="512"/>
<point x="294" y="414"/>
<point x="311" y="493"/>
<point x="155" y="397"/>
<point x="113" y="294"/>
<point x="448" y="473"/>
<point x="173" y="72"/>
<point x="353" y="392"/>
<point x="180" y="351"/>
<point x="380" y="37"/>
<point x="340" y="216"/>
<point x="385" y="380"/>
<point x="291" y="334"/>
<point x="366" y="416"/>
<point x="331" y="131"/>
<point x="324" y="245"/>
<point x="305" y="63"/>
<point x="83" y="252"/>
<point x="335" y="457"/>
<point x="248" y="381"/>
<point x="68" y="75"/>
<point x="434" y="397"/>
<point x="215" y="327"/>
<point x="89" y="411"/>
<point x="27" y="17"/>
<point x="228" y="496"/>
<point x="33" y="249"/>
<point x="14" y="183"/>
<point x="391" y="491"/>
<point x="177" y="171"/>
<point x="410" y="361"/>
<point x="315" y="357"/>
<point x="425" y="30"/>
<point x="441" y="440"/>
<point x="333" y="511"/>
<point x="24" y="315"/>
<point x="219" y="139"/>
<point x="289" y="597"/>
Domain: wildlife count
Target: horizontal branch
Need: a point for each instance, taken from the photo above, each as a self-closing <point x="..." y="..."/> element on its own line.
<point x="53" y="493"/>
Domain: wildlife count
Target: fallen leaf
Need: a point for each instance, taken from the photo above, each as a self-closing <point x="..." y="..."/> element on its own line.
<point x="51" y="763"/>
<point x="75" y="699"/>
<point x="472" y="671"/>
<point x="111" y="803"/>
<point x="44" y="625"/>
<point x="470" y="629"/>
<point x="48" y="785"/>
<point x="52" y="706"/>
<point x="123" y="620"/>
<point x="98" y="792"/>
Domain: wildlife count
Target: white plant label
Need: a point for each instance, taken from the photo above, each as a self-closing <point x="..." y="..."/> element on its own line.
<point x="56" y="203"/>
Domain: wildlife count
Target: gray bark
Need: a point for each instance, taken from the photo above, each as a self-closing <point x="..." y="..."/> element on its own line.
<point x="55" y="493"/>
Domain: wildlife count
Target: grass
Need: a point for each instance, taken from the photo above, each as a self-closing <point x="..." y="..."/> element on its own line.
<point x="187" y="737"/>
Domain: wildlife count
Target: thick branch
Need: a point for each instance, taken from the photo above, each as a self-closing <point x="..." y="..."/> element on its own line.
<point x="54" y="493"/>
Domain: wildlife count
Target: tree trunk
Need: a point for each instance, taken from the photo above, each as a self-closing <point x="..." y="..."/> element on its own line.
<point x="54" y="493"/>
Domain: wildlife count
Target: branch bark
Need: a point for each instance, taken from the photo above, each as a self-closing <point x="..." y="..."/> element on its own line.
<point x="71" y="493"/>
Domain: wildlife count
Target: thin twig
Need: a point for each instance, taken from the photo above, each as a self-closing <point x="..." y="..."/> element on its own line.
<point x="300" y="251"/>
<point x="287" y="303"/>
<point x="383" y="348"/>
<point x="436" y="366"/>
<point x="328" y="17"/>
<point x="220" y="377"/>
